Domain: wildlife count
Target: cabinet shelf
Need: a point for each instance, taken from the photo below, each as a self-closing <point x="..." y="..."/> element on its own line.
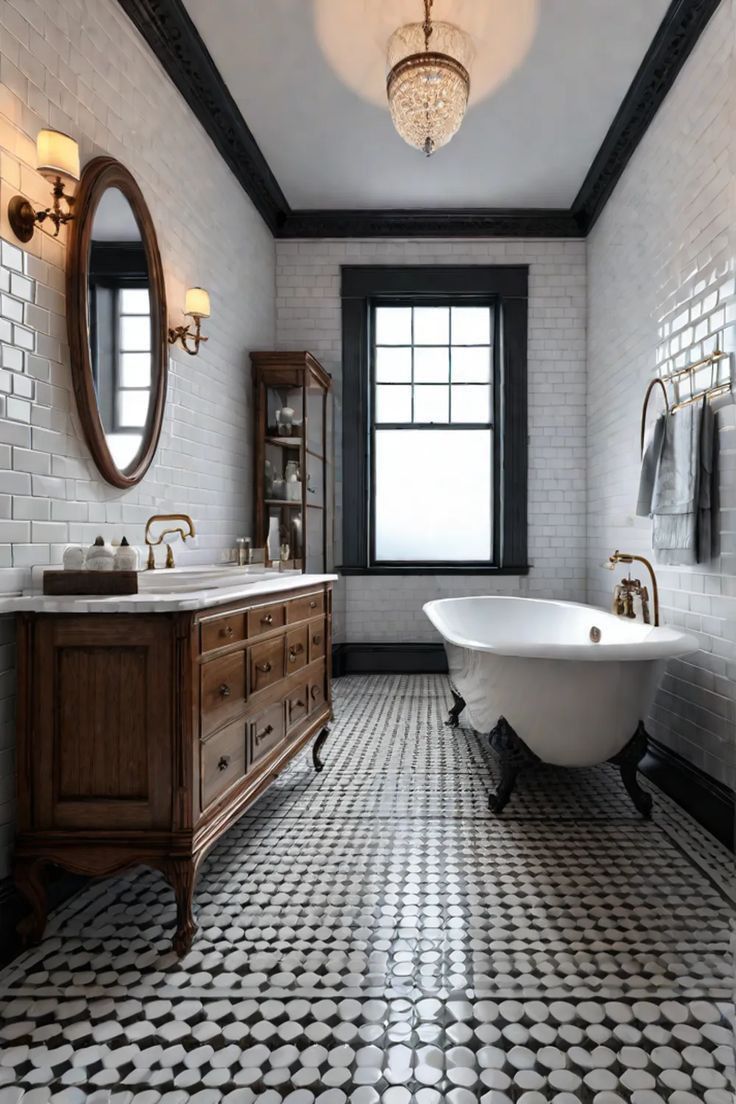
<point x="285" y="442"/>
<point x="291" y="502"/>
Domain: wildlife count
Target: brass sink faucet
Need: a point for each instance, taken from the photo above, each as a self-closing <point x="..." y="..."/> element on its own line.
<point x="627" y="589"/>
<point x="151" y="563"/>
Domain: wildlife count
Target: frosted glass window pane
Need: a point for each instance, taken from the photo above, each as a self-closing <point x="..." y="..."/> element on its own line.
<point x="393" y="404"/>
<point x="135" y="370"/>
<point x="471" y="404"/>
<point x="433" y="495"/>
<point x="431" y="404"/>
<point x="133" y="407"/>
<point x="471" y="325"/>
<point x="431" y="365"/>
<point x="393" y="365"/>
<point x="134" y="301"/>
<point x="135" y="333"/>
<point x="393" y="325"/>
<point x="471" y="365"/>
<point x="431" y="325"/>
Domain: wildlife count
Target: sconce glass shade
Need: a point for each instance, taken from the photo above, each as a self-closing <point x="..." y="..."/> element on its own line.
<point x="197" y="303"/>
<point x="57" y="155"/>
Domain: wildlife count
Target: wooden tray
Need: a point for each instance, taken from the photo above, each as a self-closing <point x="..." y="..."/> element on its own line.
<point x="90" y="582"/>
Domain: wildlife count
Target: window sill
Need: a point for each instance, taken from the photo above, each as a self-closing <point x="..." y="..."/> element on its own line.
<point x="435" y="569"/>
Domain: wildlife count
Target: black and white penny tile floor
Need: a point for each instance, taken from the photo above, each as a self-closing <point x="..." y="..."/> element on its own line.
<point x="374" y="935"/>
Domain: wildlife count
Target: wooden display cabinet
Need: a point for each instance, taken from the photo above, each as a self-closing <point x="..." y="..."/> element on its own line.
<point x="296" y="381"/>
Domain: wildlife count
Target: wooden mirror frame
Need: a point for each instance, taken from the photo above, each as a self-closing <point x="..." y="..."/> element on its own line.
<point x="100" y="174"/>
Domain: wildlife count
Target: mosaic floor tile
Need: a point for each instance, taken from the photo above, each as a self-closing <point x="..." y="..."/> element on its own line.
<point x="373" y="935"/>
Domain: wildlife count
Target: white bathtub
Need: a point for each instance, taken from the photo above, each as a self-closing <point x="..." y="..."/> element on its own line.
<point x="571" y="701"/>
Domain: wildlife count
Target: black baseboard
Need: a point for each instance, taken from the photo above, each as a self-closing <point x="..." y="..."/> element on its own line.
<point x="388" y="659"/>
<point x="709" y="802"/>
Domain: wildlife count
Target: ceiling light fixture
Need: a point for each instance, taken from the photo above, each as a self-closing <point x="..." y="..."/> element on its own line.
<point x="428" y="87"/>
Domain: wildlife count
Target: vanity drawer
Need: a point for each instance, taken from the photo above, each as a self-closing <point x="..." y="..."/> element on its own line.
<point x="223" y="761"/>
<point x="221" y="631"/>
<point x="267" y="731"/>
<point x="266" y="664"/>
<point x="297" y="706"/>
<point x="301" y="609"/>
<point x="223" y="690"/>
<point x="265" y="619"/>
<point x="316" y="689"/>
<point x="317" y="635"/>
<point x="297" y="644"/>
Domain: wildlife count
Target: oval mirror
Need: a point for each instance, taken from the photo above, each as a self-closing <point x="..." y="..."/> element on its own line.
<point x="116" y="320"/>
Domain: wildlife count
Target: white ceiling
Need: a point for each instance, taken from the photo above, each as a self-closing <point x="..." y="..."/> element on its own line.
<point x="546" y="81"/>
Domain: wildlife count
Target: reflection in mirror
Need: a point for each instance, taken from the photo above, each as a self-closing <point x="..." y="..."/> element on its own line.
<point x="120" y="335"/>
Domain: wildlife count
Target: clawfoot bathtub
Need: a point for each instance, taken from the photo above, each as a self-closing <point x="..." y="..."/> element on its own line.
<point x="554" y="682"/>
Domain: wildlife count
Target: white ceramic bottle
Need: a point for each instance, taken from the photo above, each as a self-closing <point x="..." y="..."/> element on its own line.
<point x="100" y="556"/>
<point x="273" y="541"/>
<point x="126" y="557"/>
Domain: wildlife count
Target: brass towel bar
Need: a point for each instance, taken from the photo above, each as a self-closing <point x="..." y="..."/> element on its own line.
<point x="710" y="392"/>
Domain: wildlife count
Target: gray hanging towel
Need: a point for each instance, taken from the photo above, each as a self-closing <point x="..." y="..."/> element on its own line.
<point x="676" y="501"/>
<point x="649" y="465"/>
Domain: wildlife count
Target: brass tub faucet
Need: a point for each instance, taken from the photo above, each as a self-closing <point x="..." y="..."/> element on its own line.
<point x="628" y="589"/>
<point x="151" y="563"/>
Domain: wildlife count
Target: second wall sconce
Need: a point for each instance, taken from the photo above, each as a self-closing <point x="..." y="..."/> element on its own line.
<point x="196" y="306"/>
<point x="57" y="159"/>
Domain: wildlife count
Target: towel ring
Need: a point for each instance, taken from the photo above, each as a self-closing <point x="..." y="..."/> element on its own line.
<point x="652" y="384"/>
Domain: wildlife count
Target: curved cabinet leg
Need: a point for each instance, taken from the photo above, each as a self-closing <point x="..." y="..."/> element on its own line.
<point x="317" y="747"/>
<point x="453" y="719"/>
<point x="512" y="754"/>
<point x="627" y="761"/>
<point x="182" y="875"/>
<point x="28" y="876"/>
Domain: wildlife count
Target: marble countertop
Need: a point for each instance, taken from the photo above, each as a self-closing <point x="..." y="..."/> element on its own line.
<point x="151" y="601"/>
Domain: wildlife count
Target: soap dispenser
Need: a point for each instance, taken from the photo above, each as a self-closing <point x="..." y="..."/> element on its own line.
<point x="126" y="558"/>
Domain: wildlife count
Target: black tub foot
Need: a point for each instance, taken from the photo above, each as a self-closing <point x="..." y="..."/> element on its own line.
<point x="317" y="747"/>
<point x="627" y="761"/>
<point x="512" y="754"/>
<point x="454" y="718"/>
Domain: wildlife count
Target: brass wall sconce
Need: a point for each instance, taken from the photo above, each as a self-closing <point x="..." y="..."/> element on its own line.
<point x="57" y="159"/>
<point x="196" y="306"/>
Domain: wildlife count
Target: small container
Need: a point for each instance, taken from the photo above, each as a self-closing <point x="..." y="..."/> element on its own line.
<point x="73" y="558"/>
<point x="285" y="420"/>
<point x="100" y="556"/>
<point x="126" y="558"/>
<point x="278" y="489"/>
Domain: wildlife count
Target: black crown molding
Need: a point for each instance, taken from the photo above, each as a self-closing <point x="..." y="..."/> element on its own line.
<point x="174" y="39"/>
<point x="684" y="22"/>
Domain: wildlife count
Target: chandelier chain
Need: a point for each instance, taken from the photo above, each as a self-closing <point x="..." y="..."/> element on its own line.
<point x="427" y="25"/>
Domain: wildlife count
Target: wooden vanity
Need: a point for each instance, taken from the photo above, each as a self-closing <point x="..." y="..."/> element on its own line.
<point x="143" y="736"/>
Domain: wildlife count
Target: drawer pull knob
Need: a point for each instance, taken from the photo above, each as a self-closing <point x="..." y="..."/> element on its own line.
<point x="316" y="638"/>
<point x="267" y="620"/>
<point x="299" y="704"/>
<point x="266" y="732"/>
<point x="313" y="604"/>
<point x="227" y="631"/>
<point x="315" y="691"/>
<point x="225" y="690"/>
<point x="223" y="762"/>
<point x="294" y="652"/>
<point x="264" y="667"/>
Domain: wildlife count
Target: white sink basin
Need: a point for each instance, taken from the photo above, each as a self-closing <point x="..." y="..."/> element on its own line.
<point x="205" y="577"/>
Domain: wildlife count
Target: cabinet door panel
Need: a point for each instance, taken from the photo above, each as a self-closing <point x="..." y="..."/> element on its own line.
<point x="223" y="759"/>
<point x="267" y="731"/>
<point x="103" y="706"/>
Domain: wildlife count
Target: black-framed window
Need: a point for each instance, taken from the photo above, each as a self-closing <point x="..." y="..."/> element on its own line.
<point x="434" y="419"/>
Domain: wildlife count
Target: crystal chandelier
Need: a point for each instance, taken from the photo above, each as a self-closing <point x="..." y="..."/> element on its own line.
<point x="427" y="86"/>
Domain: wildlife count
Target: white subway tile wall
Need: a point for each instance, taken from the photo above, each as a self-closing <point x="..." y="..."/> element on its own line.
<point x="308" y="316"/>
<point x="81" y="67"/>
<point x="661" y="263"/>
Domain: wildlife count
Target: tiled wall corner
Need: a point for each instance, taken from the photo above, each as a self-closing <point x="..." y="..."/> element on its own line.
<point x="80" y="66"/>
<point x="372" y="609"/>
<point x="661" y="270"/>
